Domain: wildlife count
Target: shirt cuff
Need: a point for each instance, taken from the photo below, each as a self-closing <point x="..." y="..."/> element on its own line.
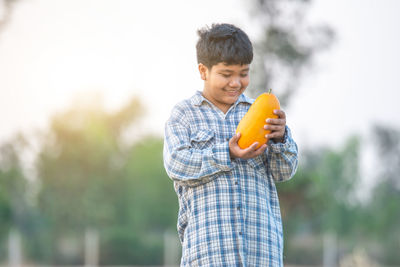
<point x="280" y="146"/>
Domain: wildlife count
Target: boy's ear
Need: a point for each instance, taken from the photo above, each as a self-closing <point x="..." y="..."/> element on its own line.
<point x="203" y="71"/>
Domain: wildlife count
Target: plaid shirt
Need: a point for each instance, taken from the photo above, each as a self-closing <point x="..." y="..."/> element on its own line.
<point x="229" y="211"/>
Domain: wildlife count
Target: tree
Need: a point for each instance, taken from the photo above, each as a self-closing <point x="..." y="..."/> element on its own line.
<point x="77" y="168"/>
<point x="91" y="178"/>
<point x="149" y="208"/>
<point x="15" y="209"/>
<point x="7" y="7"/>
<point x="320" y="199"/>
<point x="383" y="212"/>
<point x="78" y="159"/>
<point x="286" y="47"/>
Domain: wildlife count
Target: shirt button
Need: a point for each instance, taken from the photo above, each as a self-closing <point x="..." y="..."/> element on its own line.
<point x="240" y="233"/>
<point x="238" y="208"/>
<point x="227" y="139"/>
<point x="236" y="183"/>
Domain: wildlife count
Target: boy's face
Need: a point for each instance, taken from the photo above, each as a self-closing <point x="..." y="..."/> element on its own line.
<point x="223" y="84"/>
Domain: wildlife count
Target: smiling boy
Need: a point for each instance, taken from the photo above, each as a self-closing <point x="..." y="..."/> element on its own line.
<point x="229" y="211"/>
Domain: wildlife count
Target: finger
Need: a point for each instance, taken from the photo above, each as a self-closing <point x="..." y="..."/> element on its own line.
<point x="234" y="138"/>
<point x="253" y="147"/>
<point x="274" y="135"/>
<point x="276" y="121"/>
<point x="281" y="114"/>
<point x="254" y="151"/>
<point x="250" y="149"/>
<point x="261" y="150"/>
<point x="274" y="127"/>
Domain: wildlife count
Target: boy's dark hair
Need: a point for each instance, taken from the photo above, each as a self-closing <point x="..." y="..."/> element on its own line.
<point x="223" y="43"/>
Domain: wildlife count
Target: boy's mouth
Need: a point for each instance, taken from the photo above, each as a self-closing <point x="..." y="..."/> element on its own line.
<point x="232" y="92"/>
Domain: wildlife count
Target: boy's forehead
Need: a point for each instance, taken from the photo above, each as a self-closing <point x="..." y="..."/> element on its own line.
<point x="231" y="67"/>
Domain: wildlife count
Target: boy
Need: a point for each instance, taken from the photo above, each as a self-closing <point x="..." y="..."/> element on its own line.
<point x="229" y="212"/>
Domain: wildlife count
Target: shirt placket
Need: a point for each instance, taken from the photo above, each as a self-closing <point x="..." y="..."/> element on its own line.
<point x="239" y="225"/>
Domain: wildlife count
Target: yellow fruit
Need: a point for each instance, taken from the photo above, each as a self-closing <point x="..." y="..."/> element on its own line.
<point x="251" y="127"/>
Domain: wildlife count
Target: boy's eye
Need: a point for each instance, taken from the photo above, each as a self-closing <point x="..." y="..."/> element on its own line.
<point x="242" y="75"/>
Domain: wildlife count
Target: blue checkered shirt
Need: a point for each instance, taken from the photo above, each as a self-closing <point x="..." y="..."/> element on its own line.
<point x="229" y="211"/>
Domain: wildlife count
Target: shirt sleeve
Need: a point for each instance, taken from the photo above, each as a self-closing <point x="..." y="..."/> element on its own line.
<point x="282" y="158"/>
<point x="187" y="165"/>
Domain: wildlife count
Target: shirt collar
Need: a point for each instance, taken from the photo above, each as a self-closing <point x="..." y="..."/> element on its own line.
<point x="198" y="99"/>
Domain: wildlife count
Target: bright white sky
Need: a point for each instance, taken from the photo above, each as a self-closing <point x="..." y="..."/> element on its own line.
<point x="53" y="51"/>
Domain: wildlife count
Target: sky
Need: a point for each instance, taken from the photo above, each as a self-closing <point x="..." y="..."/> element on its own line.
<point x="356" y="83"/>
<point x="53" y="52"/>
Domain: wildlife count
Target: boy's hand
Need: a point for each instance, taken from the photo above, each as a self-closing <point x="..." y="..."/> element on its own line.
<point x="236" y="152"/>
<point x="276" y="126"/>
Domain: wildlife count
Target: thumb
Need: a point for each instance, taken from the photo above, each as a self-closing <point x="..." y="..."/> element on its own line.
<point x="235" y="137"/>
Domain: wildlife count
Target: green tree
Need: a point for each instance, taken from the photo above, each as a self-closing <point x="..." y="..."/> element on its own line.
<point x="78" y="167"/>
<point x="286" y="46"/>
<point x="320" y="199"/>
<point x="149" y="208"/>
<point x="383" y="212"/>
<point x="15" y="209"/>
<point x="92" y="178"/>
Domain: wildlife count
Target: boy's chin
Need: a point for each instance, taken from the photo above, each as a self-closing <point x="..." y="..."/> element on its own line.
<point x="231" y="99"/>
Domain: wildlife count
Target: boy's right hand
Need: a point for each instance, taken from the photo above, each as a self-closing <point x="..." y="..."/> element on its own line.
<point x="251" y="152"/>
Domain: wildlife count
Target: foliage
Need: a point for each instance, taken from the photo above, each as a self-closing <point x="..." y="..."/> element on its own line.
<point x="286" y="47"/>
<point x="319" y="198"/>
<point x="91" y="178"/>
<point x="122" y="191"/>
<point x="14" y="207"/>
<point x="149" y="208"/>
<point x="7" y="7"/>
<point x="382" y="221"/>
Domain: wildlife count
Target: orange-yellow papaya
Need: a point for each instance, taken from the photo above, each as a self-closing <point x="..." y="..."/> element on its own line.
<point x="251" y="126"/>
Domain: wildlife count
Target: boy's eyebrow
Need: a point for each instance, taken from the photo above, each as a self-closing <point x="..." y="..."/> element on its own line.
<point x="228" y="70"/>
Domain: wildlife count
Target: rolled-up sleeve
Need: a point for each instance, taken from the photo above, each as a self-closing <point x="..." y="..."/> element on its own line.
<point x="282" y="158"/>
<point x="188" y="165"/>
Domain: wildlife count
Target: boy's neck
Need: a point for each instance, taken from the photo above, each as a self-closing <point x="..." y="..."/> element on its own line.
<point x="221" y="106"/>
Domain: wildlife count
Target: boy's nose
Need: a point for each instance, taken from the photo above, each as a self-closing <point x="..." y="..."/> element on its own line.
<point x="235" y="82"/>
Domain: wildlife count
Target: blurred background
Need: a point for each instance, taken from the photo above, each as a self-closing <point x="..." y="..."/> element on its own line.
<point x="86" y="87"/>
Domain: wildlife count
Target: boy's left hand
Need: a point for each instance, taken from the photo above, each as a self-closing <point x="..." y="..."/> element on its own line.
<point x="276" y="126"/>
